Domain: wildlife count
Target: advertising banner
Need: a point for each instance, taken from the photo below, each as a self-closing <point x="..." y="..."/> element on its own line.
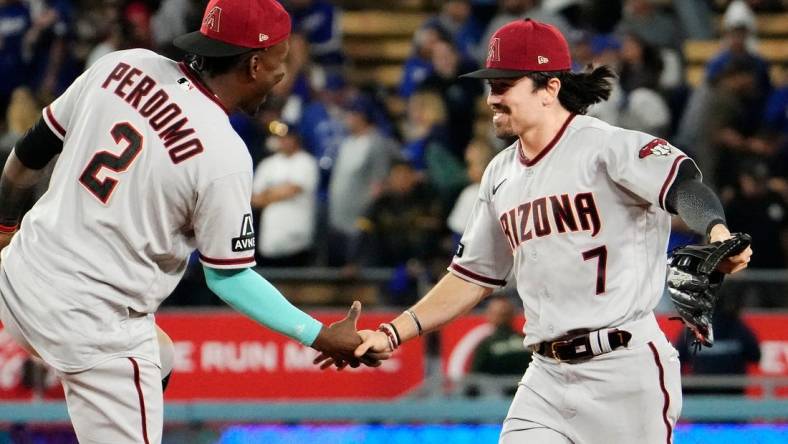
<point x="221" y="355"/>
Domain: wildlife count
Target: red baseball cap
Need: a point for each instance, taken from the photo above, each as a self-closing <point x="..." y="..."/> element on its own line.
<point x="232" y="27"/>
<point x="524" y="46"/>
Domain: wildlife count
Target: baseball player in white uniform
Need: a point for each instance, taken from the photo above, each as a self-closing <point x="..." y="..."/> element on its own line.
<point x="579" y="212"/>
<point x="149" y="170"/>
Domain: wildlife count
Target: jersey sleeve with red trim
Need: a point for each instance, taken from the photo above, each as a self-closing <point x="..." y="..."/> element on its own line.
<point x="643" y="164"/>
<point x="58" y="114"/>
<point x="223" y="224"/>
<point x="483" y="255"/>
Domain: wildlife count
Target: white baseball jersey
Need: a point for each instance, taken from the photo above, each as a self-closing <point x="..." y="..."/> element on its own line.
<point x="582" y="225"/>
<point x="150" y="170"/>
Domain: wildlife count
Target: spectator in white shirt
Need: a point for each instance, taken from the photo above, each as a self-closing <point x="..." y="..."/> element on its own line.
<point x="478" y="154"/>
<point x="284" y="189"/>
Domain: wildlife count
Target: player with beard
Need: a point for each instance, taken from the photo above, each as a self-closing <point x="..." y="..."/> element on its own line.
<point x="577" y="211"/>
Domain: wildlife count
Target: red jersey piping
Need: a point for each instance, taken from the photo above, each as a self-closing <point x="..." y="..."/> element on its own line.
<point x="546" y="149"/>
<point x="196" y="81"/>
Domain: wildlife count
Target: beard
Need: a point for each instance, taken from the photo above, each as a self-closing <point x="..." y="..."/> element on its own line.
<point x="503" y="132"/>
<point x="503" y="124"/>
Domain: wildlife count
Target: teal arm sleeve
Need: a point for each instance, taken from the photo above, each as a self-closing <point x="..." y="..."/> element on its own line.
<point x="252" y="295"/>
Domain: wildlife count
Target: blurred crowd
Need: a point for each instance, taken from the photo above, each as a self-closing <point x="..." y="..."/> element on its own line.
<point x="354" y="175"/>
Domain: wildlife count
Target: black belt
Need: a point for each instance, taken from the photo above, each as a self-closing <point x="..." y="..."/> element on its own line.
<point x="578" y="346"/>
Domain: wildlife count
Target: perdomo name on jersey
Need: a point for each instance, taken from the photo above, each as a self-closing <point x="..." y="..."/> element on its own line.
<point x="157" y="109"/>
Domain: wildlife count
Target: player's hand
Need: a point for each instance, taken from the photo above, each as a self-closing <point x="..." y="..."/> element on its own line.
<point x="732" y="264"/>
<point x="374" y="342"/>
<point x="339" y="340"/>
<point x="373" y="357"/>
<point x="370" y="359"/>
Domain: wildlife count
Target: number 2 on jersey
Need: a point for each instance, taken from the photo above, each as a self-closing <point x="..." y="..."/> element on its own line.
<point x="103" y="189"/>
<point x="601" y="266"/>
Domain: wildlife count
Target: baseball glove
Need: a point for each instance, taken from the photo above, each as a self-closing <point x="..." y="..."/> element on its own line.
<point x="693" y="282"/>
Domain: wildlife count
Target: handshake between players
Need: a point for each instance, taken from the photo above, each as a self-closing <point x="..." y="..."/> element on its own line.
<point x="341" y="345"/>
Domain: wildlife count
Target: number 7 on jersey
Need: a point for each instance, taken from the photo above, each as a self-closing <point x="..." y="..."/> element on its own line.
<point x="601" y="266"/>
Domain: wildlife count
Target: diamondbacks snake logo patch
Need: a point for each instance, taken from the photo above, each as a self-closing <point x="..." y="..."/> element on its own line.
<point x="494" y="50"/>
<point x="213" y="19"/>
<point x="657" y="147"/>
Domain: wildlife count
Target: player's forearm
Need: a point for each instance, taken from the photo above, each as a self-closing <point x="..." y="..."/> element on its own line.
<point x="17" y="190"/>
<point x="693" y="201"/>
<point x="252" y="295"/>
<point x="698" y="206"/>
<point x="23" y="170"/>
<point x="450" y="298"/>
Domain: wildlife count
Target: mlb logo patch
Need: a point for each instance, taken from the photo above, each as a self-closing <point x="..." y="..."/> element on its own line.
<point x="657" y="147"/>
<point x="185" y="84"/>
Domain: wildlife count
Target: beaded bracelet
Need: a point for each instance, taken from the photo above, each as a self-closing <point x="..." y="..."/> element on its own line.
<point x="386" y="328"/>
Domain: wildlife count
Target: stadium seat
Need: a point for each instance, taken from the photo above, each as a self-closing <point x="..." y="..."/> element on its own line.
<point x="701" y="51"/>
<point x="381" y="23"/>
<point x="390" y="50"/>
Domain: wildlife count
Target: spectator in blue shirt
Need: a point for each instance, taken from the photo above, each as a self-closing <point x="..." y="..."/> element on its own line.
<point x="777" y="110"/>
<point x="459" y="95"/>
<point x="456" y="20"/>
<point x="418" y="66"/>
<point x="53" y="67"/>
<point x="736" y="48"/>
<point x="776" y="120"/>
<point x="318" y="20"/>
<point x="322" y="128"/>
<point x="14" y="22"/>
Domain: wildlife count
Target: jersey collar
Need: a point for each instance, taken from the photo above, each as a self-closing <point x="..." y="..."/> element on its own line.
<point x="554" y="142"/>
<point x="197" y="81"/>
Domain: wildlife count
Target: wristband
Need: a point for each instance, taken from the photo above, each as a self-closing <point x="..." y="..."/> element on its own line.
<point x="416" y="320"/>
<point x="396" y="333"/>
<point x="386" y="328"/>
<point x="8" y="228"/>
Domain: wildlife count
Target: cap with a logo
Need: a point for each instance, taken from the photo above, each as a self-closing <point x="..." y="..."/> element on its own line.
<point x="524" y="46"/>
<point x="232" y="27"/>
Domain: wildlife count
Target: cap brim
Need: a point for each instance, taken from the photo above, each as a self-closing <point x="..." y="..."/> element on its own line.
<point x="491" y="73"/>
<point x="196" y="43"/>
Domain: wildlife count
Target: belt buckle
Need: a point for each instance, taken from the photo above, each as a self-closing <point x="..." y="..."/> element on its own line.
<point x="553" y="346"/>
